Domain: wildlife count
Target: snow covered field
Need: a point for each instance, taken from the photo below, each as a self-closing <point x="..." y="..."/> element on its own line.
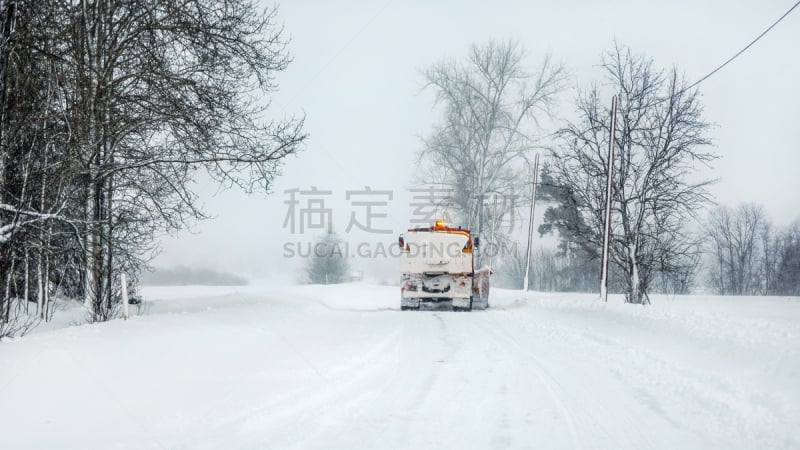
<point x="341" y="367"/>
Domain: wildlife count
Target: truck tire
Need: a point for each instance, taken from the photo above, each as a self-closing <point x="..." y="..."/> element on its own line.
<point x="463" y="309"/>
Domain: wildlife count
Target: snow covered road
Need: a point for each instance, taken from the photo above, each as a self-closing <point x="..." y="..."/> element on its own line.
<point x="341" y="367"/>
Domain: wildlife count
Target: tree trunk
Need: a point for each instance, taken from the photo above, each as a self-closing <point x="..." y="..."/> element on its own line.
<point x="6" y="310"/>
<point x="634" y="290"/>
<point x="109" y="247"/>
<point x="88" y="297"/>
<point x="40" y="284"/>
<point x="46" y="288"/>
<point x="26" y="293"/>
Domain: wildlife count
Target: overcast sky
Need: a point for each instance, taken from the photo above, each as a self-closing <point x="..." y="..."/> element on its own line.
<point x="355" y="76"/>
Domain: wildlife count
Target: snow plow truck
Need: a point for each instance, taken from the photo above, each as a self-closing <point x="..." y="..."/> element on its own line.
<point x="438" y="270"/>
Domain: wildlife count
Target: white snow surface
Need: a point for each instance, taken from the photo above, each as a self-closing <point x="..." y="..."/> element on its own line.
<point x="340" y="367"/>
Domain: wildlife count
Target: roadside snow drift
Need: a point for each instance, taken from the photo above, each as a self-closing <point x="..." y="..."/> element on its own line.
<point x="341" y="367"/>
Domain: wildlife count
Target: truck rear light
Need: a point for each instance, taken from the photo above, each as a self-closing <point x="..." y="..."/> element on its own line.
<point x="463" y="284"/>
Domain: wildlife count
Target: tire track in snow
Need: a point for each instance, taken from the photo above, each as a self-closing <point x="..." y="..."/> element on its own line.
<point x="545" y="379"/>
<point x="693" y="406"/>
<point x="332" y="389"/>
<point x="357" y="416"/>
<point x="429" y="389"/>
<point x="587" y="400"/>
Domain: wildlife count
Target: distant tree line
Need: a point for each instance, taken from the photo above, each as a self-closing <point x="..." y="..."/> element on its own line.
<point x="109" y="109"/>
<point x="747" y="255"/>
<point x="740" y="252"/>
<point x="183" y="276"/>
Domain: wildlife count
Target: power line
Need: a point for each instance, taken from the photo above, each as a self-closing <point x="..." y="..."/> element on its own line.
<point x="745" y="48"/>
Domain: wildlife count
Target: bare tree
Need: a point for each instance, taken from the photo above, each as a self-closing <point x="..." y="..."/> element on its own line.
<point x="735" y="251"/>
<point x="35" y="182"/>
<point x="108" y="111"/>
<point x="788" y="273"/>
<point x="747" y="255"/>
<point x="164" y="89"/>
<point x="492" y="107"/>
<point x="660" y="140"/>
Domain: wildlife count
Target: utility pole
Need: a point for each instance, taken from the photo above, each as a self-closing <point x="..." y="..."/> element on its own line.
<point x="530" y="224"/>
<point x="607" y="226"/>
<point x="491" y="242"/>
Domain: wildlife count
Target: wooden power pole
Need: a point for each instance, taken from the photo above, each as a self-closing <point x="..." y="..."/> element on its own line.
<point x="530" y="224"/>
<point x="607" y="225"/>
